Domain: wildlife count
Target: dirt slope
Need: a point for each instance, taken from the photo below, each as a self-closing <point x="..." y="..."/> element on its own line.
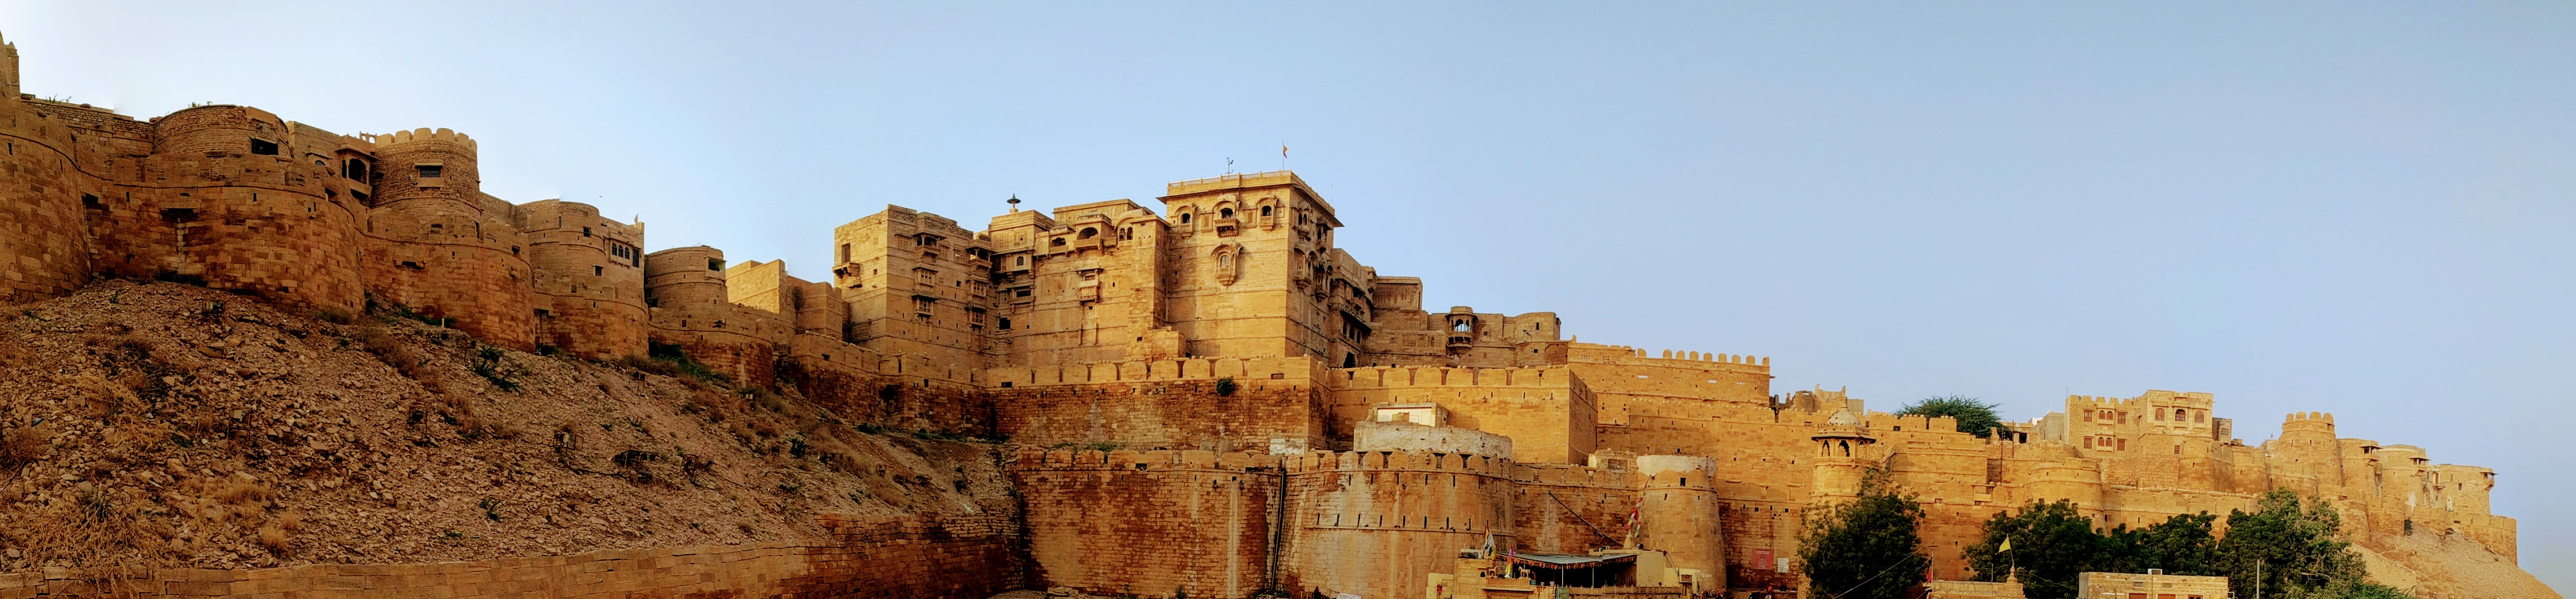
<point x="175" y="425"/>
<point x="2457" y="567"/>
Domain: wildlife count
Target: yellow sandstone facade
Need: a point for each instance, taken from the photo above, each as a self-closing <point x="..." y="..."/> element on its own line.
<point x="1202" y="366"/>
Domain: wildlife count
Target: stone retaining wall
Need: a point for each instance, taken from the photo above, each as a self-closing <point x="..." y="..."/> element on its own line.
<point x="956" y="558"/>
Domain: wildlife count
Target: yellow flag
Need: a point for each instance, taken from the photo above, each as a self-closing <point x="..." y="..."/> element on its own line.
<point x="2007" y="545"/>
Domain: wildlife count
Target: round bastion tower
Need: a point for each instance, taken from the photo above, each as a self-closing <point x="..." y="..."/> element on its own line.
<point x="1679" y="508"/>
<point x="236" y="208"/>
<point x="437" y="245"/>
<point x="44" y="253"/>
<point x="2307" y="452"/>
<point x="589" y="279"/>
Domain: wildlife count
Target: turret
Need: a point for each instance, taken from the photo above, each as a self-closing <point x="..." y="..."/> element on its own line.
<point x="45" y="252"/>
<point x="1678" y="507"/>
<point x="685" y="278"/>
<point x="589" y="279"/>
<point x="2307" y="450"/>
<point x="2465" y="487"/>
<point x="8" y="71"/>
<point x="2360" y="460"/>
<point x="437" y="245"/>
<point x="1845" y="453"/>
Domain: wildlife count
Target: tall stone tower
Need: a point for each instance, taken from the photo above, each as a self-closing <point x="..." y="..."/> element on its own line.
<point x="1679" y="506"/>
<point x="234" y="203"/>
<point x="2308" y="452"/>
<point x="438" y="245"/>
<point x="45" y="253"/>
<point x="588" y="277"/>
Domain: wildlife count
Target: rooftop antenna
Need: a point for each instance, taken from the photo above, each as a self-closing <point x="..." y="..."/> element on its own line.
<point x="1015" y="203"/>
<point x="1229" y="166"/>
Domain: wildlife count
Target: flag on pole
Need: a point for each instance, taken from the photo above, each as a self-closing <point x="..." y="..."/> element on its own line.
<point x="2007" y="545"/>
<point x="1633" y="513"/>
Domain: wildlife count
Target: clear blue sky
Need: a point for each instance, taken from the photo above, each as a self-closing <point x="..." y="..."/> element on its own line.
<point x="2362" y="208"/>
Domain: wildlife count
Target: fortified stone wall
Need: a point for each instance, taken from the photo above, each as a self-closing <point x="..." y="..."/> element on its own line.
<point x="1379" y="523"/>
<point x="1154" y="523"/>
<point x="1546" y="411"/>
<point x="1167" y="403"/>
<point x="46" y="252"/>
<point x="957" y="558"/>
<point x="436" y="244"/>
<point x="692" y="309"/>
<point x="589" y="279"/>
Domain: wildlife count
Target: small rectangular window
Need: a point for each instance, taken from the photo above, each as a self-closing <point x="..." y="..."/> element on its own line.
<point x="263" y="147"/>
<point x="585" y="231"/>
<point x="430" y="171"/>
<point x="597" y="270"/>
<point x="353" y="169"/>
<point x="845" y="253"/>
<point x="715" y="264"/>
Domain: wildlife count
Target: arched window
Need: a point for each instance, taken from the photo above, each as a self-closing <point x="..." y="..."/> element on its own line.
<point x="1088" y="232"/>
<point x="1225" y="213"/>
<point x="1185" y="218"/>
<point x="2178" y="414"/>
<point x="1265" y="210"/>
<point x="1458" y="326"/>
<point x="1225" y="261"/>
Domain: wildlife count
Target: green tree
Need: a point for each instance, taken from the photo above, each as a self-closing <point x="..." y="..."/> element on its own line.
<point x="1866" y="548"/>
<point x="2295" y="546"/>
<point x="2051" y="544"/>
<point x="2349" y="588"/>
<point x="1975" y="417"/>
<point x="2182" y="544"/>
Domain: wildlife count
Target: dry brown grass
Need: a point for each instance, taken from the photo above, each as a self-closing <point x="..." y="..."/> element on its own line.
<point x="24" y="445"/>
<point x="390" y="348"/>
<point x="274" y="537"/>
<point x="244" y="493"/>
<point x="95" y="536"/>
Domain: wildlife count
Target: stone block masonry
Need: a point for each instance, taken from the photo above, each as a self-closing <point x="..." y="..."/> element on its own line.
<point x="911" y="557"/>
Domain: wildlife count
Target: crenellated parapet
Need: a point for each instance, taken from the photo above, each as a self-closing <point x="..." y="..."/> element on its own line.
<point x="436" y="244"/>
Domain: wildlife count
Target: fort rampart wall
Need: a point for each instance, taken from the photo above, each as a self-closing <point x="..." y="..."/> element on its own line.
<point x="1547" y="412"/>
<point x="1167" y="403"/>
<point x="905" y="556"/>
<point x="1151" y="523"/>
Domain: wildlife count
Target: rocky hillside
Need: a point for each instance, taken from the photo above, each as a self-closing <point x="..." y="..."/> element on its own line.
<point x="167" y="424"/>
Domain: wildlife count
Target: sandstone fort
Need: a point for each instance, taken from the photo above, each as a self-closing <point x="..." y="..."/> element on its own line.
<point x="1210" y="397"/>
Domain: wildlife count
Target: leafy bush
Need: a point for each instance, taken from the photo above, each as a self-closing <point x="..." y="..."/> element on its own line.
<point x="495" y="365"/>
<point x="1866" y="548"/>
<point x="1225" y="386"/>
<point x="675" y="360"/>
<point x="1975" y="417"/>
